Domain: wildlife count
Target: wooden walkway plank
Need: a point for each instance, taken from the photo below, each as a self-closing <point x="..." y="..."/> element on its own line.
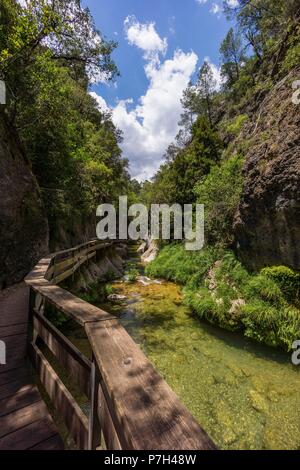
<point x="13" y="330"/>
<point x="54" y="443"/>
<point x="21" y="418"/>
<point x="12" y="374"/>
<point x="20" y="400"/>
<point x="25" y="421"/>
<point x="34" y="434"/>
<point x="17" y="386"/>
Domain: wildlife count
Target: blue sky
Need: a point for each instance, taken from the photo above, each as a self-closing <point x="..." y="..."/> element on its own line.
<point x="161" y="45"/>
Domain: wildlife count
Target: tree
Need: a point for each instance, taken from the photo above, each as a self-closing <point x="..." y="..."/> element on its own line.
<point x="197" y="101"/>
<point x="63" y="26"/>
<point x="192" y="163"/>
<point x="49" y="51"/>
<point x="232" y="57"/>
<point x="206" y="89"/>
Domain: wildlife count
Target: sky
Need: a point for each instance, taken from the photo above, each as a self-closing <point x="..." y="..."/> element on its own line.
<point x="161" y="45"/>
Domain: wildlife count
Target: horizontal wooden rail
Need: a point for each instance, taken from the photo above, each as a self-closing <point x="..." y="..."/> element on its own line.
<point x="130" y="403"/>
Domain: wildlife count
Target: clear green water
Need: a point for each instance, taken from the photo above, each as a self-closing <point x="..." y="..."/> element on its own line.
<point x="244" y="395"/>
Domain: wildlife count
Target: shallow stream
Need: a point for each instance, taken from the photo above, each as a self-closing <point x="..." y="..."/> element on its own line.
<point x="246" y="396"/>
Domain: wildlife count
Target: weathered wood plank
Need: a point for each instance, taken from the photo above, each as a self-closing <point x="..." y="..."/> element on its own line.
<point x="37" y="275"/>
<point x="13" y="330"/>
<point x="108" y="429"/>
<point x="54" y="443"/>
<point x="76" y="308"/>
<point x="13" y="374"/>
<point x="19" y="400"/>
<point x="12" y="364"/>
<point x="17" y="386"/>
<point x="31" y="435"/>
<point x="146" y="413"/>
<point x="74" y="418"/>
<point x="20" y="418"/>
<point x="44" y="270"/>
<point x="75" y="363"/>
<point x="15" y="348"/>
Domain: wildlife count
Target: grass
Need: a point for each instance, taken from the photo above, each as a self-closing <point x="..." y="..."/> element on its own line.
<point x="217" y="287"/>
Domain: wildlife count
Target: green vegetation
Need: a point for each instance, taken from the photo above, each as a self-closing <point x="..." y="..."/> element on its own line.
<point x="256" y="54"/>
<point x="49" y="53"/>
<point x="132" y="273"/>
<point x="220" y="290"/>
<point x="220" y="192"/>
<point x="97" y="292"/>
<point x="205" y="166"/>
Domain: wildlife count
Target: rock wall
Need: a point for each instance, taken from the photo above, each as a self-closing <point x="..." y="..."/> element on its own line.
<point x="267" y="225"/>
<point x="108" y="262"/>
<point x="23" y="222"/>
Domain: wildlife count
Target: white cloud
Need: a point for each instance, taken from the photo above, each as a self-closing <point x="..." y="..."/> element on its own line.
<point x="216" y="73"/>
<point x="153" y="124"/>
<point x="102" y="105"/>
<point x="216" y="9"/>
<point x="232" y="3"/>
<point x="150" y="126"/>
<point x="145" y="37"/>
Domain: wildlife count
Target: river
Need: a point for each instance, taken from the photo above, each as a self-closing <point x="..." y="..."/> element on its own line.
<point x="246" y="396"/>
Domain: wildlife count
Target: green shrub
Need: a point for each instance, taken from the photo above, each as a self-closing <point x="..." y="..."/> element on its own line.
<point x="270" y="325"/>
<point x="292" y="58"/>
<point x="132" y="274"/>
<point x="262" y="287"/>
<point x="96" y="293"/>
<point x="267" y="315"/>
<point x="235" y="126"/>
<point x="55" y="316"/>
<point x="220" y="192"/>
<point x="287" y="279"/>
<point x="177" y="264"/>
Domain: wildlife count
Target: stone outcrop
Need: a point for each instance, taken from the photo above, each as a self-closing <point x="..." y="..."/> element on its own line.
<point x="149" y="251"/>
<point x="23" y="221"/>
<point x="267" y="225"/>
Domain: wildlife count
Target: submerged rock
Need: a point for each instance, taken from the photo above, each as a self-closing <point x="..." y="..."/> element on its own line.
<point x="258" y="402"/>
<point x="116" y="298"/>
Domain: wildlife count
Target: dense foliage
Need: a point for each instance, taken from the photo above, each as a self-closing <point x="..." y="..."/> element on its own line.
<point x="256" y="54"/>
<point x="265" y="306"/>
<point x="49" y="52"/>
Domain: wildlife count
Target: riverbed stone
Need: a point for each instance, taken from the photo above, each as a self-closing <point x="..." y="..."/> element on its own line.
<point x="258" y="402"/>
<point x="116" y="298"/>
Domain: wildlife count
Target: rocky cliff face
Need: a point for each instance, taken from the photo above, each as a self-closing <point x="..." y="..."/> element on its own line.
<point x="267" y="226"/>
<point x="23" y="222"/>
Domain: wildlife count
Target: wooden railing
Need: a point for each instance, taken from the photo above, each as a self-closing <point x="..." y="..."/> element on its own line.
<point x="131" y="406"/>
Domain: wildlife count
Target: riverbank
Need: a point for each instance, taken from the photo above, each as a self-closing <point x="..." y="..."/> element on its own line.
<point x="263" y="306"/>
<point x="245" y="395"/>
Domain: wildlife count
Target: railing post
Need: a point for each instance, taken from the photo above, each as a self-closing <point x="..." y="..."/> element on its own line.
<point x="94" y="440"/>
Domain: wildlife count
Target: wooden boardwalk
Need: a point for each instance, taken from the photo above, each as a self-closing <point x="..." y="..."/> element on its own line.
<point x="25" y="422"/>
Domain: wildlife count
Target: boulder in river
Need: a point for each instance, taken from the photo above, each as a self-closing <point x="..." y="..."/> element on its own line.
<point x="116" y="298"/>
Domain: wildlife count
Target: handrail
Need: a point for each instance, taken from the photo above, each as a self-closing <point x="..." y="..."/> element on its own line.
<point x="130" y="403"/>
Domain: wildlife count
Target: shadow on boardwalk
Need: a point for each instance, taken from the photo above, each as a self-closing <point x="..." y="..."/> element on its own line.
<point x="25" y="422"/>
